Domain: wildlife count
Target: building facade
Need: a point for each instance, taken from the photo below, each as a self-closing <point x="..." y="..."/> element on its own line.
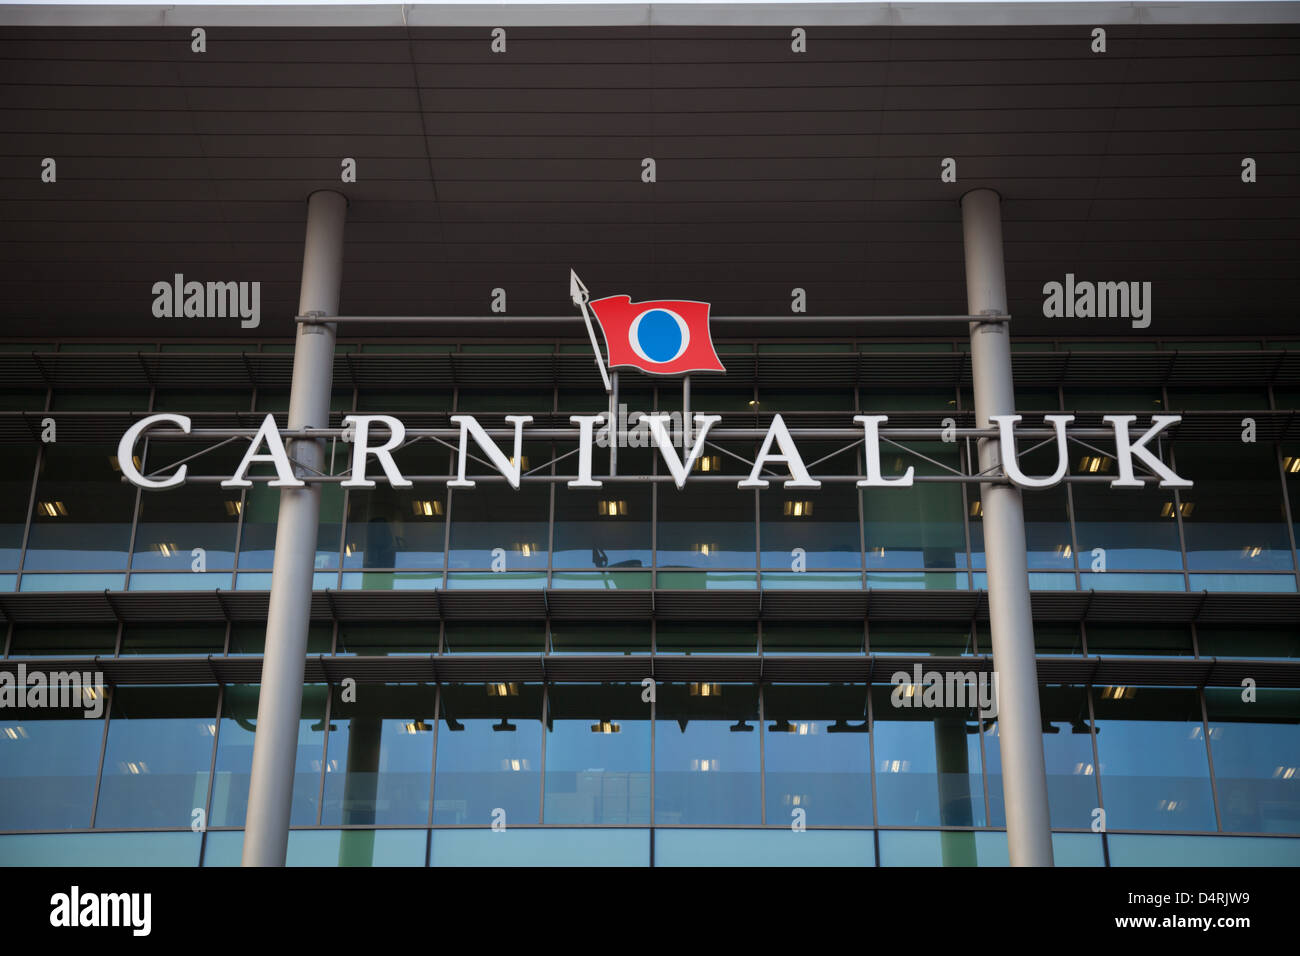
<point x="642" y="674"/>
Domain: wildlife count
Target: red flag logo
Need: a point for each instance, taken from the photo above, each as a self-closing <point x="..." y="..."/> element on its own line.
<point x="669" y="337"/>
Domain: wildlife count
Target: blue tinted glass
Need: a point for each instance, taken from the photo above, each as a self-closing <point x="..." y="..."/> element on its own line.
<point x="783" y="847"/>
<point x="1134" y="849"/>
<point x="942" y="848"/>
<point x="817" y="755"/>
<point x="382" y="739"/>
<point x="489" y="754"/>
<point x="1067" y="748"/>
<point x="48" y="760"/>
<point x="356" y="847"/>
<point x="82" y="515"/>
<point x="604" y="528"/>
<point x="100" y="849"/>
<point x="927" y="764"/>
<point x="597" y="754"/>
<point x="708" y="525"/>
<point x="158" y="757"/>
<point x="235" y="756"/>
<point x="1236" y="521"/>
<point x="519" y="846"/>
<point x="920" y="526"/>
<point x="812" y="528"/>
<point x="1256" y="750"/>
<point x="707" y="754"/>
<point x="1154" y="770"/>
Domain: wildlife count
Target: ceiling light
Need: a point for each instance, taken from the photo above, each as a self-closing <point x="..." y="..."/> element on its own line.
<point x="502" y="689"/>
<point x="976" y="509"/>
<point x="426" y="509"/>
<point x="699" y="689"/>
<point x="523" y="462"/>
<point x="1291" y="464"/>
<point x="166" y="548"/>
<point x="605" y="727"/>
<point x="609" y="508"/>
<point x="1091" y="464"/>
<point x="798" y="509"/>
<point x="233" y="508"/>
<point x="52" y="509"/>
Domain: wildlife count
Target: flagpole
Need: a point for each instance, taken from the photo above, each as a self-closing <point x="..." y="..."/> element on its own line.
<point x="686" y="416"/>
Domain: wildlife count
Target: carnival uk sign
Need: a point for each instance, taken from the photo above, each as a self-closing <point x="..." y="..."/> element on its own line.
<point x="363" y="432"/>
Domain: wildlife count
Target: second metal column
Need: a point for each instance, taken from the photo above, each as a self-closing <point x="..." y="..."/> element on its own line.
<point x="1024" y="771"/>
<point x="279" y="706"/>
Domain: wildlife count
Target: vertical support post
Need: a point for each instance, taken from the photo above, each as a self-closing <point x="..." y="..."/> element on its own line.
<point x="614" y="424"/>
<point x="1024" y="772"/>
<point x="686" y="416"/>
<point x="279" y="706"/>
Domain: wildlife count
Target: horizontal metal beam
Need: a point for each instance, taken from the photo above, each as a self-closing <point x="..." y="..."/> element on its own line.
<point x="572" y="434"/>
<point x="527" y="320"/>
<point x="646" y="479"/>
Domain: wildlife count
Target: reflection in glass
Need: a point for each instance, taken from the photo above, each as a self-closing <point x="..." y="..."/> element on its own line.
<point x="158" y="756"/>
<point x="920" y="526"/>
<point x="1154" y="770"/>
<point x="261" y="511"/>
<point x="812" y="528"/>
<point x="707" y="754"/>
<point x="817" y="756"/>
<point x="82" y="515"/>
<point x="597" y="754"/>
<point x="607" y="527"/>
<point x="235" y="756"/>
<point x="399" y="527"/>
<point x="1067" y="748"/>
<point x="489" y="754"/>
<point x="708" y="525"/>
<point x="15" y="490"/>
<point x="1256" y="750"/>
<point x="175" y="523"/>
<point x="927" y="767"/>
<point x="498" y="527"/>
<point x="48" y="760"/>
<point x="1233" y="519"/>
<point x="382" y="740"/>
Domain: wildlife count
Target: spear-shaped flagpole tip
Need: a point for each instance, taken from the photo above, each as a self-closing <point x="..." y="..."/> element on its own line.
<point x="578" y="292"/>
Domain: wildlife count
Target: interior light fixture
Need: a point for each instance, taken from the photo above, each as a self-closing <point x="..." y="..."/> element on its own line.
<point x="976" y="509"/>
<point x="1092" y="464"/>
<point x="523" y="462"/>
<point x="611" y="508"/>
<point x="424" y="508"/>
<point x="798" y="509"/>
<point x="704" y="689"/>
<point x="233" y="508"/>
<point x="605" y="727"/>
<point x="1291" y="464"/>
<point x="52" y="509"/>
<point x="502" y="689"/>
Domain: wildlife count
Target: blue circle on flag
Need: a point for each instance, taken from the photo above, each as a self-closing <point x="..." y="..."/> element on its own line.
<point x="658" y="335"/>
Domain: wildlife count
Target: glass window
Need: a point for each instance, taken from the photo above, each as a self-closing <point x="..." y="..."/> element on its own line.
<point x="813" y="637"/>
<point x="82" y="518"/>
<point x="943" y="638"/>
<point x="1067" y="748"/>
<point x="817" y="755"/>
<point x="489" y="754"/>
<point x="1233" y="518"/>
<point x="86" y="640"/>
<point x="1145" y="402"/>
<point x="261" y="512"/>
<point x="158" y="757"/>
<point x="1048" y="540"/>
<point x="15" y="492"/>
<point x="708" y="525"/>
<point x="251" y="639"/>
<point x="1291" y="469"/>
<point x="707" y="754"/>
<point x="678" y="637"/>
<point x="496" y="527"/>
<point x="1150" y="850"/>
<point x="1212" y="399"/>
<point x="399" y="528"/>
<point x="1122" y="529"/>
<point x="235" y="756"/>
<point x="621" y="637"/>
<point x="1256" y="750"/>
<point x="518" y="846"/>
<point x="174" y="640"/>
<point x="77" y="850"/>
<point x="597" y="754"/>
<point x="1254" y="640"/>
<point x="764" y="848"/>
<point x="927" y="764"/>
<point x="606" y="527"/>
<point x="1154" y="772"/>
<point x="372" y="640"/>
<point x="382" y="740"/>
<point x="916" y="527"/>
<point x="190" y="528"/>
<point x="807" y="528"/>
<point x="1146" y="640"/>
<point x="513" y="637"/>
<point x="49" y="757"/>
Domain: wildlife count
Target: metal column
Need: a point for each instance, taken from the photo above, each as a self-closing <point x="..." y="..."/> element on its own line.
<point x="1024" y="772"/>
<point x="279" y="706"/>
